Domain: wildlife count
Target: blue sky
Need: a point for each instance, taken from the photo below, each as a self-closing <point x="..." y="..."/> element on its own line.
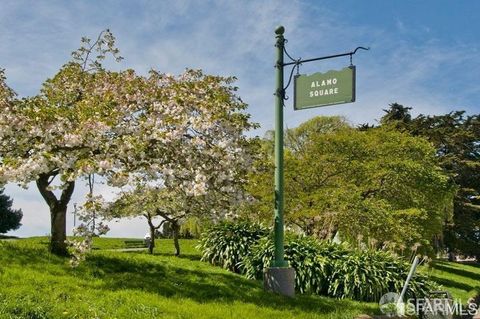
<point x="424" y="54"/>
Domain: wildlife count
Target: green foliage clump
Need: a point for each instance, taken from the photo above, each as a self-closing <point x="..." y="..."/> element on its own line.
<point x="9" y="218"/>
<point x="321" y="267"/>
<point x="226" y="244"/>
<point x="310" y="258"/>
<point x="377" y="187"/>
<point x="367" y="275"/>
<point x="456" y="139"/>
<point x="191" y="228"/>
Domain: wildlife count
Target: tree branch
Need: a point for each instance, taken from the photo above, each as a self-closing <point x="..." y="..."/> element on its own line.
<point x="67" y="193"/>
<point x="42" y="185"/>
<point x="150" y="222"/>
<point x="165" y="216"/>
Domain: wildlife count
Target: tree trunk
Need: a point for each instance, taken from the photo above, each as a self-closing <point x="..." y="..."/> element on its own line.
<point x="176" y="233"/>
<point x="153" y="229"/>
<point x="175" y="226"/>
<point x="152" y="238"/>
<point x="58" y="219"/>
<point x="58" y="212"/>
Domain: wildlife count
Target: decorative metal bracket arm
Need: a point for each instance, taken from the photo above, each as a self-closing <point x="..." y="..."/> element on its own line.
<point x="297" y="62"/>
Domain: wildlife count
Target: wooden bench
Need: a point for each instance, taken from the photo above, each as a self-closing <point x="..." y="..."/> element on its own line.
<point x="138" y="243"/>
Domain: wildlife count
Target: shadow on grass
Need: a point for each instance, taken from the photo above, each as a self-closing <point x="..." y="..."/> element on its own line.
<point x="12" y="252"/>
<point x="452" y="283"/>
<point x="8" y="237"/>
<point x="187" y="279"/>
<point x="460" y="272"/>
<point x="199" y="285"/>
<point x="192" y="257"/>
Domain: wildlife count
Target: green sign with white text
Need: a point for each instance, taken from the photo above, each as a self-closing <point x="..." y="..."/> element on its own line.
<point x="322" y="89"/>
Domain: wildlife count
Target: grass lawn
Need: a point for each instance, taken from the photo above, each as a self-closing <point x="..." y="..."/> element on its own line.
<point x="110" y="284"/>
<point x="98" y="242"/>
<point x="461" y="280"/>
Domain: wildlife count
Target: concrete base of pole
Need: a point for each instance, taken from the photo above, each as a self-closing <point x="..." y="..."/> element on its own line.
<point x="280" y="280"/>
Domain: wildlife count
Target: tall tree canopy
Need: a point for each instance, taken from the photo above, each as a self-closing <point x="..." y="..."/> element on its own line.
<point x="456" y="138"/>
<point x="9" y="218"/>
<point x="376" y="186"/>
<point x="122" y="126"/>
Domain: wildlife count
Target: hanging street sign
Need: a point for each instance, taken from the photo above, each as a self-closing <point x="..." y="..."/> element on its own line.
<point x="322" y="89"/>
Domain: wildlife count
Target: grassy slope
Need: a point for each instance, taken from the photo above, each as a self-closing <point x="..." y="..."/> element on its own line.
<point x="461" y="280"/>
<point x="35" y="284"/>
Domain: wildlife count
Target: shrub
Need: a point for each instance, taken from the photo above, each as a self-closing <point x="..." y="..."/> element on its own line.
<point x="227" y="244"/>
<point x="361" y="275"/>
<point x="259" y="258"/>
<point x="419" y="286"/>
<point x="191" y="228"/>
<point x="322" y="268"/>
<point x="310" y="259"/>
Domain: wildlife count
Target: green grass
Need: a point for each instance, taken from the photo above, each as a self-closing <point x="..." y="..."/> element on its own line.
<point x="461" y="280"/>
<point x="110" y="284"/>
<point x="98" y="242"/>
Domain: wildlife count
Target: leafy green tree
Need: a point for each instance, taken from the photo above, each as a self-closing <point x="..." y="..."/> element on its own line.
<point x="456" y="138"/>
<point x="398" y="114"/>
<point x="378" y="186"/>
<point x="9" y="218"/>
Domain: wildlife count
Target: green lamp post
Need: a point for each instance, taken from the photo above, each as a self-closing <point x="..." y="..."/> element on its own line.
<point x="279" y="260"/>
<point x="279" y="277"/>
<point x="339" y="89"/>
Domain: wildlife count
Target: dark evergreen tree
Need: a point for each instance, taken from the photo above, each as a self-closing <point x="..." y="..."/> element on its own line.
<point x="397" y="113"/>
<point x="9" y="218"/>
<point x="456" y="137"/>
<point x="365" y="127"/>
